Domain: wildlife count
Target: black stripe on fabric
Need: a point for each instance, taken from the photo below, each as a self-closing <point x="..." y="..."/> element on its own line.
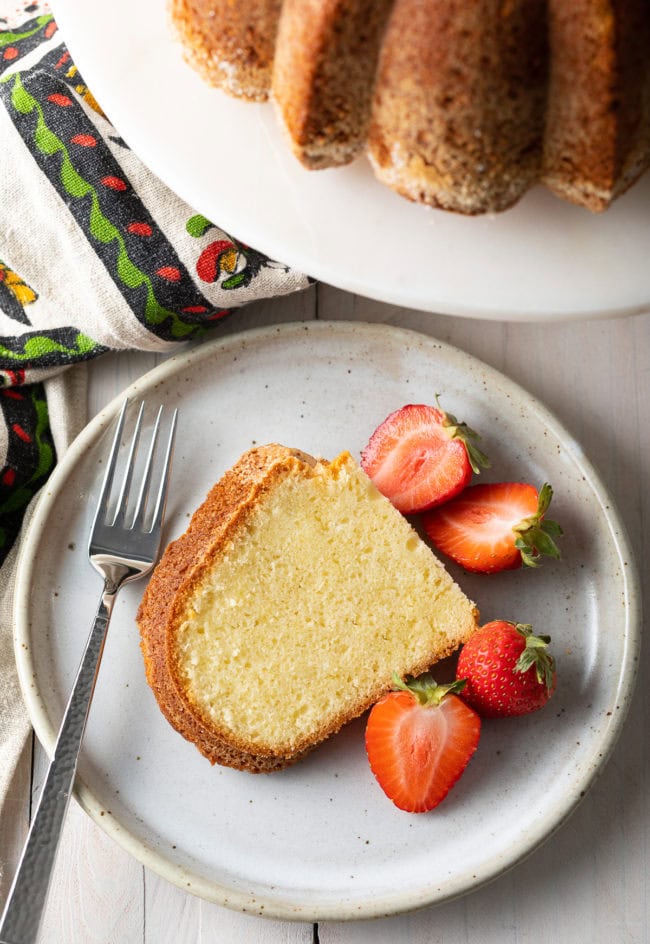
<point x="33" y="33"/>
<point x="35" y="350"/>
<point x="30" y="457"/>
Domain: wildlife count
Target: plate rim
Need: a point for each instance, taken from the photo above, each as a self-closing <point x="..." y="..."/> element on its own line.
<point x="284" y="908"/>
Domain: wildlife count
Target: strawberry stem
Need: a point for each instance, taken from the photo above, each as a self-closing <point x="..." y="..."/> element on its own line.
<point x="535" y="655"/>
<point x="425" y="688"/>
<point x="535" y="534"/>
<point x="467" y="435"/>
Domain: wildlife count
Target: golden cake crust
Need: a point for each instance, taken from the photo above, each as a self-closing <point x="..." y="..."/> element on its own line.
<point x="323" y="74"/>
<point x="231" y="44"/>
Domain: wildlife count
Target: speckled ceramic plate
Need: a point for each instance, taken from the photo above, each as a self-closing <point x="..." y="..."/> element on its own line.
<point x="320" y="840"/>
<point x="542" y="260"/>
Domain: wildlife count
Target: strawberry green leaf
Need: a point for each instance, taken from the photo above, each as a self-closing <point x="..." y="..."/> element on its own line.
<point x="544" y="500"/>
<point x="535" y="655"/>
<point x="552" y="527"/>
<point x="544" y="544"/>
<point x="535" y="535"/>
<point x="425" y="688"/>
<point x="467" y="436"/>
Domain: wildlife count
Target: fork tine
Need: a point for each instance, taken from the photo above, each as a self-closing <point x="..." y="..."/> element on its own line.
<point x="141" y="505"/>
<point x="123" y="500"/>
<point x="159" y="513"/>
<point x="109" y="475"/>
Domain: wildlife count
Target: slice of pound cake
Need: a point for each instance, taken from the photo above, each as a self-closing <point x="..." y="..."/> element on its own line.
<point x="287" y="605"/>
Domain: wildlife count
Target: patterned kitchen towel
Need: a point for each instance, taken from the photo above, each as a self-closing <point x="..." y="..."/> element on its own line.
<point x="96" y="254"/>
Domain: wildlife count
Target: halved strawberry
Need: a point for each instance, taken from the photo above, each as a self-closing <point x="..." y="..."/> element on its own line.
<point x="419" y="741"/>
<point x="495" y="527"/>
<point x="421" y="456"/>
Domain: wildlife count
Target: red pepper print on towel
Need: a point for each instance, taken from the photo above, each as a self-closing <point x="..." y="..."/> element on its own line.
<point x="232" y="262"/>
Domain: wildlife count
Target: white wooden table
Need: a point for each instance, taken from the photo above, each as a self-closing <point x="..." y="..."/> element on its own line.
<point x="590" y="881"/>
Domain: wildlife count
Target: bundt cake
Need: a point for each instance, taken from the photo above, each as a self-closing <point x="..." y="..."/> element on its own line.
<point x="459" y="104"/>
<point x="286" y="606"/>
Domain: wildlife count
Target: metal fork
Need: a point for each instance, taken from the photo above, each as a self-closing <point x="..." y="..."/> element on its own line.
<point x="120" y="551"/>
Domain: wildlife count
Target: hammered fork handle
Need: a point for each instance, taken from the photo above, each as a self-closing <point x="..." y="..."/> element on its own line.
<point x="29" y="889"/>
<point x="119" y="551"/>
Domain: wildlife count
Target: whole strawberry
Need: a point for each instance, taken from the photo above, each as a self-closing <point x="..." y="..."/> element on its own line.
<point x="507" y="669"/>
